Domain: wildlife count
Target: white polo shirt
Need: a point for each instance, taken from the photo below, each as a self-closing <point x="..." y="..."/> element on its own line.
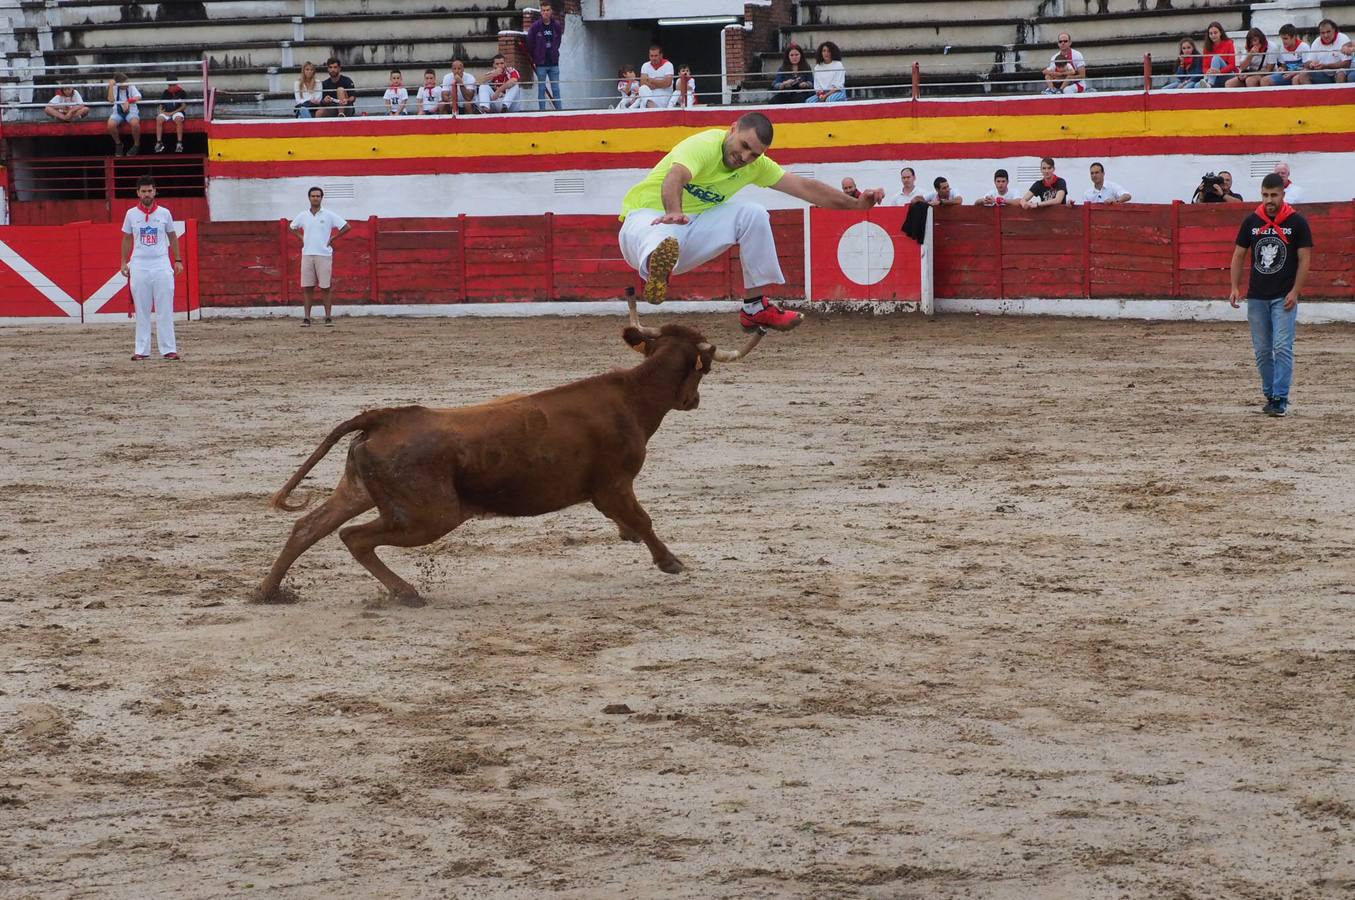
<point x="150" y="231"/>
<point x="903" y="199"/>
<point x="315" y="231"/>
<point x="1109" y="192"/>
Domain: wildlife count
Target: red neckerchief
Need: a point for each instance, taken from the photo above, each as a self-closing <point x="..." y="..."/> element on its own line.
<point x="147" y="212"/>
<point x="1049" y="182"/>
<point x="1287" y="183"/>
<point x="1273" y="227"/>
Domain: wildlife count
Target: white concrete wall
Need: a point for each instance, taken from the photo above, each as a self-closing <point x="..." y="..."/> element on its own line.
<point x="659" y="9"/>
<point x="590" y="56"/>
<point x="1151" y="179"/>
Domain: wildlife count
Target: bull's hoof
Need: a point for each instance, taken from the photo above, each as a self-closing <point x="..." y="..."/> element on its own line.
<point x="672" y="565"/>
<point x="410" y="599"/>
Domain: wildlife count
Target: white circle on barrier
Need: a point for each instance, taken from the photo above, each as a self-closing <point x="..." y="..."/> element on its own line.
<point x="865" y="253"/>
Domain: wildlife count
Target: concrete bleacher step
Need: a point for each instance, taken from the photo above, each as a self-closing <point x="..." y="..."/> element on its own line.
<point x="81" y="12"/>
<point x="878" y="12"/>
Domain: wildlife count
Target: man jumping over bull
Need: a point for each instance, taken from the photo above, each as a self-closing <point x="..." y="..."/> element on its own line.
<point x="681" y="216"/>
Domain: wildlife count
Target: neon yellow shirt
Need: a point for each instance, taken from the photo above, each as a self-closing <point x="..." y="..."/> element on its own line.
<point x="712" y="181"/>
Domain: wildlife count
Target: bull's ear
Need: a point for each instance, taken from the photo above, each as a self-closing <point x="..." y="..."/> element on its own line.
<point x="631" y="335"/>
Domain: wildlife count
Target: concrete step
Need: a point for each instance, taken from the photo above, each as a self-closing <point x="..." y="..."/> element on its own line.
<point x="913" y="35"/>
<point x="939" y="11"/>
<point x="1107" y="28"/>
<point x="77" y="12"/>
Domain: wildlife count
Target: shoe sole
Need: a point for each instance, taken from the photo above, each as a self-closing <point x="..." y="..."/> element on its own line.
<point x="661" y="264"/>
<point x="799" y="317"/>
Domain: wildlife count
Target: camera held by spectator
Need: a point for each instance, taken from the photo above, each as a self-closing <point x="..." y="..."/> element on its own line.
<point x="1211" y="189"/>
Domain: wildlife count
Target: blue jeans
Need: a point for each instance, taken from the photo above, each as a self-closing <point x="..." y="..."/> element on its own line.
<point x="551" y="73"/>
<point x="1272" y="337"/>
<point x="834" y="97"/>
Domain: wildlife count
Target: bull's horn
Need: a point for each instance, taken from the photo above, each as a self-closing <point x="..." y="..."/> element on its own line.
<point x="650" y="333"/>
<point x="725" y="356"/>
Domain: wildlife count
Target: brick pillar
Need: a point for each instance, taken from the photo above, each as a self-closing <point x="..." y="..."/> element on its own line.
<point x="513" y="46"/>
<point x="573" y="7"/>
<point x="742" y="47"/>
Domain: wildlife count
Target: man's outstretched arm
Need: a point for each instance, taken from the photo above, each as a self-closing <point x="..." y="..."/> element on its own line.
<point x="820" y="194"/>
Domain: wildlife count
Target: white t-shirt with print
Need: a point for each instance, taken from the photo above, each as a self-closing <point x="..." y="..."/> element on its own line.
<point x="1289" y="60"/>
<point x="126" y="91"/>
<point x="315" y="231"/>
<point x="396" y="96"/>
<point x="665" y="70"/>
<point x="150" y="233"/>
<point x="1329" y="53"/>
<point x="1109" y="192"/>
<point x="62" y="100"/>
<point x="429" y="98"/>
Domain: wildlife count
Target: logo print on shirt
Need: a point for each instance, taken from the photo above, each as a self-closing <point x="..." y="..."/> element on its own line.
<point x="148" y="235"/>
<point x="705" y="195"/>
<point x="1270" y="255"/>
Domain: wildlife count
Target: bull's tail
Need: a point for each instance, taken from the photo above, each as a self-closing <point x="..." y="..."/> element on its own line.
<point x="279" y="500"/>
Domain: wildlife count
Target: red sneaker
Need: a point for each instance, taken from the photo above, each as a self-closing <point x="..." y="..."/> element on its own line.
<point x="661" y="264"/>
<point x="170" y="356"/>
<point x="138" y="357"/>
<point x="770" y="316"/>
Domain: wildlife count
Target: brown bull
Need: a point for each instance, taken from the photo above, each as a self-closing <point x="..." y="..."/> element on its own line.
<point x="428" y="470"/>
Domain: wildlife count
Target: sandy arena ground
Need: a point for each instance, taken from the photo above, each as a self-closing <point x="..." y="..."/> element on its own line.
<point x="975" y="608"/>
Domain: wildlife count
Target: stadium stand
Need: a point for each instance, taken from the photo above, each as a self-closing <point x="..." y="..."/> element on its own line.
<point x="1001" y="44"/>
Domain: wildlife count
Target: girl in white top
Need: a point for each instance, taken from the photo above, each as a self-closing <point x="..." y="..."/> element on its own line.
<point x="830" y="76"/>
<point x="428" y="99"/>
<point x="307" y="91"/>
<point x="459" y="89"/>
<point x="67" y="105"/>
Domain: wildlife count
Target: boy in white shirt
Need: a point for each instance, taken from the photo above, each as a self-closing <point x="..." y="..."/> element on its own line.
<point x="396" y="96"/>
<point x="1289" y="63"/>
<point x="1002" y="193"/>
<point x="124" y="96"/>
<point x="459" y="89"/>
<point x="318" y="229"/>
<point x="656" y="80"/>
<point x="429" y="97"/>
<point x="628" y="87"/>
<point x="148" y="236"/>
<point x="684" y="94"/>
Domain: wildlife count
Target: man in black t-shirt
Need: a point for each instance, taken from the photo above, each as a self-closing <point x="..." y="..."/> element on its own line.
<point x="338" y="93"/>
<point x="1281" y="247"/>
<point x="1050" y="190"/>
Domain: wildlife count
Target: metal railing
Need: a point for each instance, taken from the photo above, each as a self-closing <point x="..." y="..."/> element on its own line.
<point x="17" y="97"/>
<point x="104" y="177"/>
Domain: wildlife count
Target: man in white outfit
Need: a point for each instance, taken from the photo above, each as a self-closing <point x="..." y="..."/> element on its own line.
<point x="656" y="81"/>
<point x="318" y="229"/>
<point x="148" y="236"/>
<point x="681" y="216"/>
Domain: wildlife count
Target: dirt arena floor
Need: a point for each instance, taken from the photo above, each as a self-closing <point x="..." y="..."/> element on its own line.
<point x="976" y="608"/>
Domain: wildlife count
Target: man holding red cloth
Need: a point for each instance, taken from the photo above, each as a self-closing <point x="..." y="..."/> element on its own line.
<point x="1281" y="247"/>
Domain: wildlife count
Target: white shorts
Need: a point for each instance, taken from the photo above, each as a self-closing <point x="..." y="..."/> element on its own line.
<point x="177" y="117"/>
<point x="317" y="271"/>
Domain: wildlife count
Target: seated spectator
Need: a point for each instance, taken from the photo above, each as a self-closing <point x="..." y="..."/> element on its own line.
<point x="124" y="96"/>
<point x="459" y="89"/>
<point x="909" y="193"/>
<point x="628" y="87"/>
<point x="850" y="189"/>
<point x="941" y="195"/>
<point x="1003" y="193"/>
<point x="1216" y="189"/>
<point x="1103" y="191"/>
<point x="500" y="90"/>
<point x="684" y="92"/>
<point x="339" y="94"/>
<point x="67" y="105"/>
<point x="1289" y="62"/>
<point x="428" y="99"/>
<point x="1255" y="63"/>
<point x="1292" y="192"/>
<point x="1067" y="72"/>
<point x="396" y="97"/>
<point x="173" y="108"/>
<point x="1050" y="190"/>
<point x="830" y="76"/>
<point x="1349" y="74"/>
<point x="307" y="91"/>
<point x="794" y="82"/>
<point x="1189" y="67"/>
<point x="656" y="80"/>
<point x="1327" y="62"/>
<point x="1220" y="56"/>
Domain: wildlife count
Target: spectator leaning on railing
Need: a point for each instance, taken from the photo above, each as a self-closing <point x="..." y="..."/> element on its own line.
<point x="1326" y="62"/>
<point x="908" y="194"/>
<point x="67" y="105"/>
<point x="1220" y="56"/>
<point x="794" y="82"/>
<point x="941" y="194"/>
<point x="830" y="76"/>
<point x="1258" y="59"/>
<point x="1289" y="62"/>
<point x="307" y="91"/>
<point x="1003" y="192"/>
<point x="1103" y="191"/>
<point x="1189" y="67"/>
<point x="684" y="90"/>
<point x="123" y="95"/>
<point x="1050" y="190"/>
<point x="458" y="89"/>
<point x="1067" y="72"/>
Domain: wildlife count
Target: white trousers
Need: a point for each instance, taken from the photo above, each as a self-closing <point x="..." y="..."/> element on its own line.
<point x="509" y="100"/>
<point x="709" y="234"/>
<point x="154" y="285"/>
<point x="658" y="96"/>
